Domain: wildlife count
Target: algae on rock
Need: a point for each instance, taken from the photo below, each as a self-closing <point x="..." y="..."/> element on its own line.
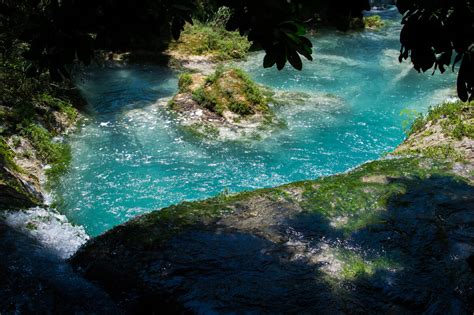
<point x="447" y="132"/>
<point x="393" y="235"/>
<point x="226" y="104"/>
<point x="33" y="115"/>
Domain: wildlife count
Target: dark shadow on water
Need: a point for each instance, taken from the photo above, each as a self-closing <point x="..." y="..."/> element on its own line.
<point x="112" y="89"/>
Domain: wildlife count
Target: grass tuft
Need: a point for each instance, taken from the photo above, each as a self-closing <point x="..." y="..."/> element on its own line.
<point x="212" y="39"/>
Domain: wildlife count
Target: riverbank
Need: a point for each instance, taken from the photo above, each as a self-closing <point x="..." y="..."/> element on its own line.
<point x="379" y="238"/>
<point x="36" y="117"/>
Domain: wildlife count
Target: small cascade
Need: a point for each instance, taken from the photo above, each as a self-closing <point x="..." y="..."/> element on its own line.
<point x="49" y="228"/>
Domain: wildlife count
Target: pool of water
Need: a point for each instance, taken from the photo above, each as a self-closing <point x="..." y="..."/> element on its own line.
<point x="130" y="157"/>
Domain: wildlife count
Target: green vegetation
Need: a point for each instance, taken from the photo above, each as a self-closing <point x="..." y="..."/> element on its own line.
<point x="451" y="121"/>
<point x="373" y="22"/>
<point x="362" y="195"/>
<point x="443" y="151"/>
<point x="31" y="226"/>
<point x="457" y="119"/>
<point x="231" y="89"/>
<point x="355" y="266"/>
<point x="7" y="155"/>
<point x="202" y="130"/>
<point x="33" y="111"/>
<point x="47" y="100"/>
<point x="57" y="154"/>
<point x="212" y="39"/>
<point x="225" y="104"/>
<point x="185" y="80"/>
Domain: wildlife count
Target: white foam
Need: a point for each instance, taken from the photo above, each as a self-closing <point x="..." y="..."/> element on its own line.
<point x="50" y="228"/>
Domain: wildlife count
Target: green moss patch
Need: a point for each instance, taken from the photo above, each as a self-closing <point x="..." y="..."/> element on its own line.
<point x="62" y="106"/>
<point x="7" y="155"/>
<point x="440" y="134"/>
<point x="456" y="118"/>
<point x="360" y="197"/>
<point x="356" y="266"/>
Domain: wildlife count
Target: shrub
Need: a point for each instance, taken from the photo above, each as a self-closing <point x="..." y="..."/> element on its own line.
<point x="208" y="100"/>
<point x="455" y="118"/>
<point x="49" y="100"/>
<point x="212" y="39"/>
<point x="46" y="149"/>
<point x="240" y="108"/>
<point x="373" y="22"/>
<point x="185" y="80"/>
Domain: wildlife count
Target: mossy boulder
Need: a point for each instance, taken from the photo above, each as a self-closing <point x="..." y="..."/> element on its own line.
<point x="391" y="236"/>
<point x="226" y="104"/>
<point x="447" y="132"/>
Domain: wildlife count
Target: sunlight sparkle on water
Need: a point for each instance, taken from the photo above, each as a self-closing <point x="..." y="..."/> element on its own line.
<point x="130" y="158"/>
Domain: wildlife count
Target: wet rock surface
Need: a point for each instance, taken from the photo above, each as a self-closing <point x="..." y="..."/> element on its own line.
<point x="271" y="252"/>
<point x="36" y="281"/>
<point x="16" y="192"/>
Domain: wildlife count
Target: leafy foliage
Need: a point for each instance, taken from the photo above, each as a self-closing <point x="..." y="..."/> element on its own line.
<point x="185" y="80"/>
<point x="35" y="109"/>
<point x="6" y="155"/>
<point x="434" y="31"/>
<point x="205" y="40"/>
<point x="373" y="22"/>
<point x="456" y="119"/>
<point x="58" y="32"/>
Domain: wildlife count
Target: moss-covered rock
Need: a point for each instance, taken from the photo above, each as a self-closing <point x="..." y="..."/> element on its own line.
<point x="372" y="22"/>
<point x="33" y="114"/>
<point x="393" y="235"/>
<point x="226" y="104"/>
<point x="447" y="132"/>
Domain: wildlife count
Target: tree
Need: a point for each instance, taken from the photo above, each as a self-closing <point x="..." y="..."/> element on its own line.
<point x="434" y="31"/>
<point x="435" y="34"/>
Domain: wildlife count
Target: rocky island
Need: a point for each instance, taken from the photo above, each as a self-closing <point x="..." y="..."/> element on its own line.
<point x="226" y="104"/>
<point x="325" y="207"/>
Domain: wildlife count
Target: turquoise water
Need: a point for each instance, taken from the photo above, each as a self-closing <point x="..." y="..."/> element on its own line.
<point x="130" y="157"/>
